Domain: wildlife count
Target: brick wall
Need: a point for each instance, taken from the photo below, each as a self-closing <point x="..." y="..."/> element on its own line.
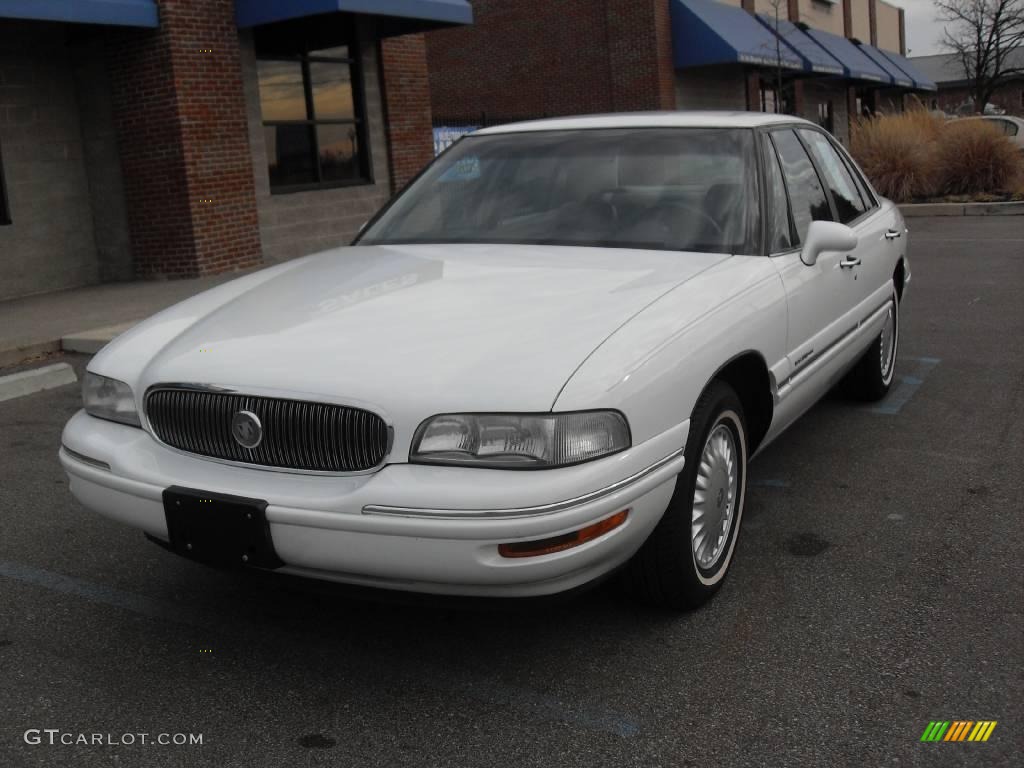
<point x="179" y="111"/>
<point x="407" y="105"/>
<point x="640" y="55"/>
<point x="1010" y="97"/>
<point x="535" y="57"/>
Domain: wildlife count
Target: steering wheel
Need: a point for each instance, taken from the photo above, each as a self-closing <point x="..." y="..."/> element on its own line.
<point x="701" y="215"/>
<point x="600" y="199"/>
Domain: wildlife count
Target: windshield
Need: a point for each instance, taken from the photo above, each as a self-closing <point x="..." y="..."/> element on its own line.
<point x="661" y="188"/>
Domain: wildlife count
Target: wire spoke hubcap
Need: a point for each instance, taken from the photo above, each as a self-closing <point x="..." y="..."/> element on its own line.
<point x="714" y="498"/>
<point x="888" y="342"/>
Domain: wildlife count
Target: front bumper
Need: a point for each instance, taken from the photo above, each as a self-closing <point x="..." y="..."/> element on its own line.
<point x="411" y="527"/>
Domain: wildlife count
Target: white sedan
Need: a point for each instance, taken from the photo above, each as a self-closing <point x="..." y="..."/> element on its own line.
<point x="552" y="356"/>
<point x="1011" y="127"/>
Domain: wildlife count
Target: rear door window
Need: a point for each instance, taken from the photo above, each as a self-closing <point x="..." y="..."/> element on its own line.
<point x="806" y="194"/>
<point x="847" y="198"/>
<point x="780" y="225"/>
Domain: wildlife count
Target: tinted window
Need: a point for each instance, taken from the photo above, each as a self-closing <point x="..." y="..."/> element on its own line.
<point x="862" y="185"/>
<point x="780" y="228"/>
<point x="666" y="188"/>
<point x="806" y="195"/>
<point x="845" y="194"/>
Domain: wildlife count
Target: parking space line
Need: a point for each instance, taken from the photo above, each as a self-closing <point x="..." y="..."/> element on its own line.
<point x="97" y="593"/>
<point x="906" y="388"/>
<point x="481" y="688"/>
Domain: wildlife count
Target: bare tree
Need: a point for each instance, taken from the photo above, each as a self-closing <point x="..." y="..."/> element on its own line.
<point x="777" y="12"/>
<point x="983" y="36"/>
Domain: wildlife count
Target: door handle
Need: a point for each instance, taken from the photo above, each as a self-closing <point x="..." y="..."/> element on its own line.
<point x="849" y="262"/>
<point x="892" y="234"/>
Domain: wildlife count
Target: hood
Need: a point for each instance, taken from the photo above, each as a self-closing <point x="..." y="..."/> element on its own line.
<point x="419" y="329"/>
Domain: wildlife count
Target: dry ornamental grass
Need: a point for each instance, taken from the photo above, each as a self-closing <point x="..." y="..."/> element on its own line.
<point x="916" y="155"/>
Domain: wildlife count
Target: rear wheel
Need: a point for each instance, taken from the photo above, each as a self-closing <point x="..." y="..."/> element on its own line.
<point x="871" y="378"/>
<point x="685" y="559"/>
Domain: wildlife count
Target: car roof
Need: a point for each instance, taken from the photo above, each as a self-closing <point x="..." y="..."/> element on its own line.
<point x="680" y="119"/>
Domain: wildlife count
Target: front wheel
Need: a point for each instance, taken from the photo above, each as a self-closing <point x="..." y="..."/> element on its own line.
<point x="873" y="374"/>
<point x="685" y="559"/>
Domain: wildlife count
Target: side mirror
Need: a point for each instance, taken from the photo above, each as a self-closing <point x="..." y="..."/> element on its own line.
<point x="826" y="236"/>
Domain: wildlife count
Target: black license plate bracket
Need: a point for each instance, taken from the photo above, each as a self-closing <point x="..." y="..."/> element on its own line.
<point x="218" y="528"/>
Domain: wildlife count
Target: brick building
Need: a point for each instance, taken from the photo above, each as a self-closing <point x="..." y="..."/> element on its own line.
<point x="954" y="92"/>
<point x="173" y="138"/>
<point x="531" y="58"/>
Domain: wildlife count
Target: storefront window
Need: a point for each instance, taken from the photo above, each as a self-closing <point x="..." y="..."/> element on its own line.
<point x="5" y="211"/>
<point x="769" y="97"/>
<point x="313" y="118"/>
<point x="825" y="115"/>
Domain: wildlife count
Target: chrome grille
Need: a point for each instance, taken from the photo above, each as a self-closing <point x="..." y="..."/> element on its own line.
<point x="299" y="435"/>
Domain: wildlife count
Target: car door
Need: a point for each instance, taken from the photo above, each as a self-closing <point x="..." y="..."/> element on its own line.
<point x="878" y="227"/>
<point x="822" y="299"/>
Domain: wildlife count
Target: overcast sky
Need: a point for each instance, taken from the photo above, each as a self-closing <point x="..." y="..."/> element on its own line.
<point x="923" y="31"/>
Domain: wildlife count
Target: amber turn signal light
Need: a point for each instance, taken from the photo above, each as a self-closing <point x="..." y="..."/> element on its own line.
<point x="565" y="541"/>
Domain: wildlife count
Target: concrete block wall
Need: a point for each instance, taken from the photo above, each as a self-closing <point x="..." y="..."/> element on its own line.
<point x="299" y="223"/>
<point x="102" y="162"/>
<point x="50" y="243"/>
<point x="817" y="92"/>
<point x="711" y="88"/>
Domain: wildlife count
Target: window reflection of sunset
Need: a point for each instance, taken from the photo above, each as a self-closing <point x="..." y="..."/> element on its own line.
<point x="281" y="93"/>
<point x="332" y="91"/>
<point x="282" y="96"/>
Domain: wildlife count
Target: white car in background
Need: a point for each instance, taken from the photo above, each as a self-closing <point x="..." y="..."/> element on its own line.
<point x="1011" y="127"/>
<point x="553" y="355"/>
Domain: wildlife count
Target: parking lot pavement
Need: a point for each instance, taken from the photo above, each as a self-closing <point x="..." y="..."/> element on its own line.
<point x="877" y="587"/>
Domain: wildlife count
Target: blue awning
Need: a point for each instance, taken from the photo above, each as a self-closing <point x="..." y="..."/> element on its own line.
<point x="815" y="58"/>
<point x="921" y="82"/>
<point x="856" y="65"/>
<point x="899" y="77"/>
<point x="705" y="32"/>
<point x="126" y="13"/>
<point x="252" y="13"/>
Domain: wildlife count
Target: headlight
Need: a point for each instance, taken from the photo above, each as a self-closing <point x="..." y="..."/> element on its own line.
<point x="109" y="399"/>
<point x="519" y="441"/>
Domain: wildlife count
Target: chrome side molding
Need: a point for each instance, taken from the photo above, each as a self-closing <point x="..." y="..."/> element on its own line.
<point x="540" y="509"/>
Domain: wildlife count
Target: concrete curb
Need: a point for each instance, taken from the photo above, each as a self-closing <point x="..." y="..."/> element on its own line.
<point x="84" y="342"/>
<point x="91" y="342"/>
<point x="17" y="355"/>
<point x="36" y="380"/>
<point x="962" y="209"/>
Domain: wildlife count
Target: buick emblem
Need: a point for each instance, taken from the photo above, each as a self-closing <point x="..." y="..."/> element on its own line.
<point x="246" y="429"/>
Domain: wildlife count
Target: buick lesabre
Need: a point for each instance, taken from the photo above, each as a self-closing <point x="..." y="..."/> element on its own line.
<point x="550" y="358"/>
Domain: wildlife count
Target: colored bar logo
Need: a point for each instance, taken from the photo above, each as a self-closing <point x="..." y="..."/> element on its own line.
<point x="958" y="730"/>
